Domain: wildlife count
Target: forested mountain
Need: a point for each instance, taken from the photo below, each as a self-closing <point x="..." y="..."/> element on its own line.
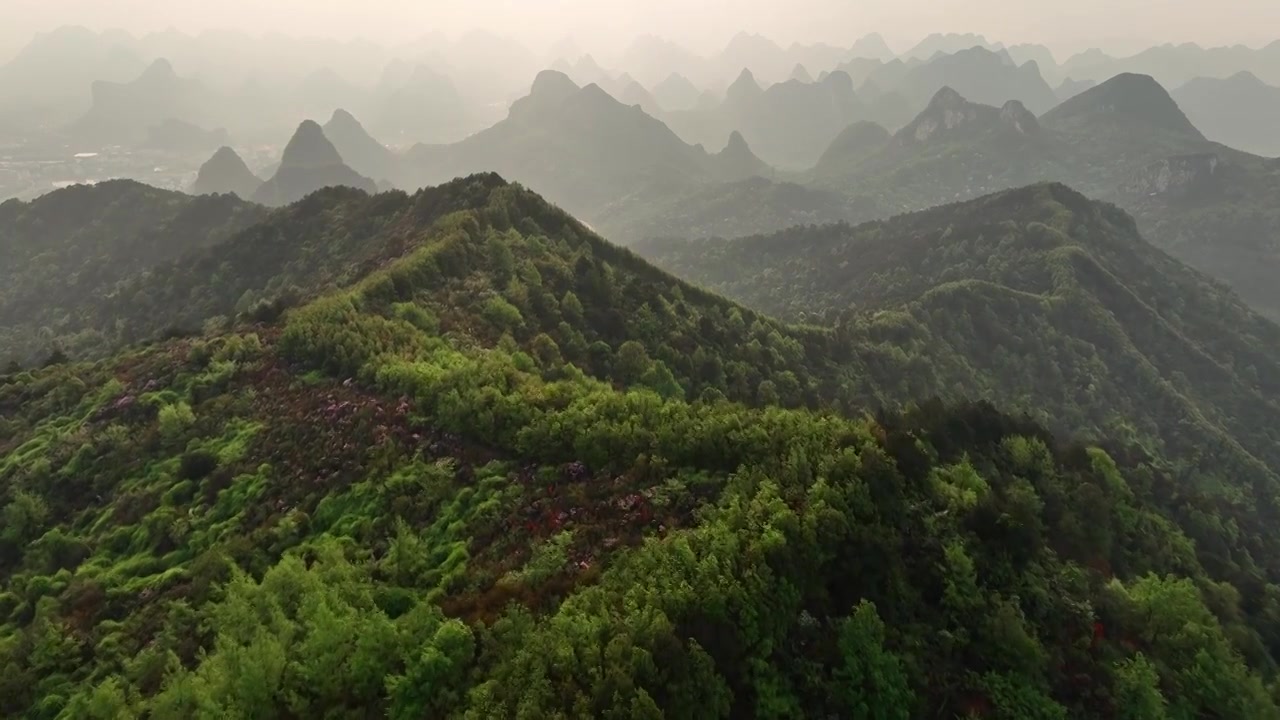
<point x="499" y="476"/>
<point x="64" y="255"/>
<point x="1125" y="140"/>
<point x="1036" y="298"/>
<point x="310" y="162"/>
<point x="1240" y="111"/>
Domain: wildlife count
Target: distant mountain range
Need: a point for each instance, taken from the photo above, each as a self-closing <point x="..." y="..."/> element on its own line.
<point x="583" y="149"/>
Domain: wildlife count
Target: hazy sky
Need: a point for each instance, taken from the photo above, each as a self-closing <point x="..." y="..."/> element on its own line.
<point x="704" y="25"/>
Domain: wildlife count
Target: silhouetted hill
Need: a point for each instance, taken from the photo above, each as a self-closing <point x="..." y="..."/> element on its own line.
<point x="856" y="143"/>
<point x="946" y="44"/>
<point x="1240" y="111"/>
<point x="583" y="148"/>
<point x="676" y="92"/>
<point x="978" y="74"/>
<point x="226" y="172"/>
<point x="360" y="150"/>
<point x="1127" y="101"/>
<point x="788" y="124"/>
<point x="422" y="106"/>
<point x="310" y="162"/>
<point x="122" y="112"/>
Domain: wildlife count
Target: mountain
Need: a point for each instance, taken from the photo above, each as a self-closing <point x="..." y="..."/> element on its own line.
<point x="1125" y="141"/>
<point x="1111" y="319"/>
<point x="872" y="46"/>
<point x="423" y="105"/>
<point x="310" y="162"/>
<point x="1070" y="88"/>
<point x="64" y="254"/>
<point x="358" y="149"/>
<point x="1175" y="65"/>
<point x="1240" y="111"/>
<point x="1128" y="101"/>
<point x="801" y="75"/>
<point x="788" y="124"/>
<point x="226" y="172"/>
<point x="633" y="93"/>
<point x="122" y="112"/>
<point x="500" y="465"/>
<point x="1042" y="56"/>
<point x="946" y="44"/>
<point x="853" y="145"/>
<point x="676" y="92"/>
<point x="581" y="147"/>
<point x="979" y="74"/>
<point x="51" y="76"/>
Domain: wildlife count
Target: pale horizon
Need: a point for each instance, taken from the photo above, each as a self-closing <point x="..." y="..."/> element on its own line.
<point x="606" y="26"/>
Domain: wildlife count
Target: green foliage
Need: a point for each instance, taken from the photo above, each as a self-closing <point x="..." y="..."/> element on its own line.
<point x="391" y="506"/>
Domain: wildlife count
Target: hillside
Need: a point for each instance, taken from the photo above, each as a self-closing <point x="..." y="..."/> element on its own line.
<point x="415" y="497"/>
<point x="63" y="255"/>
<point x="1125" y="141"/>
<point x="1034" y="298"/>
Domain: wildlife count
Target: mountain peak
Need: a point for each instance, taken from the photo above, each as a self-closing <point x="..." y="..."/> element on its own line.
<point x="737" y="161"/>
<point x="225" y="172"/>
<point x="946" y="97"/>
<point x="553" y="83"/>
<point x="1016" y="116"/>
<point x="800" y="73"/>
<point x="1129" y="96"/>
<point x="159" y="69"/>
<point x="948" y="110"/>
<point x="343" y="119"/>
<point x="745" y="87"/>
<point x="309" y="147"/>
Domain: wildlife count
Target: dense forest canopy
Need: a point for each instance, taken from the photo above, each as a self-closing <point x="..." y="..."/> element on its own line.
<point x="507" y="469"/>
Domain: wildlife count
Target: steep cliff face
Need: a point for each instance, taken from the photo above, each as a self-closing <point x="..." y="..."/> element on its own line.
<point x="1178" y="176"/>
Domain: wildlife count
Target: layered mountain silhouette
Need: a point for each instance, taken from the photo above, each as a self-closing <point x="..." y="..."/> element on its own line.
<point x="123" y="112"/>
<point x="788" y="124"/>
<point x="583" y="148"/>
<point x="1240" y="111"/>
<point x="1174" y="65"/>
<point x="310" y="162"/>
<point x="676" y="92"/>
<point x="977" y="73"/>
<point x="1125" y="140"/>
<point x="226" y="172"/>
<point x="419" y="104"/>
<point x="946" y="44"/>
